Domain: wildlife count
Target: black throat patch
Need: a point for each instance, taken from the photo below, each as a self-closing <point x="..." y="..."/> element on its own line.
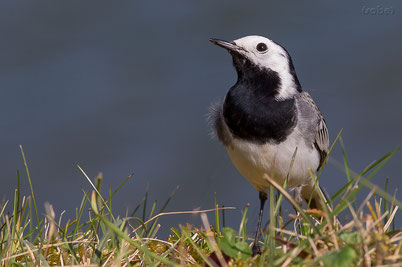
<point x="250" y="109"/>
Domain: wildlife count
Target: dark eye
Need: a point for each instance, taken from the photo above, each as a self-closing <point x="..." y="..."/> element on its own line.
<point x="261" y="47"/>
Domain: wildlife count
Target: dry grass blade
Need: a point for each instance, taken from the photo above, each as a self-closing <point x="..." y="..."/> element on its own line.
<point x="181" y="212"/>
<point x="391" y="219"/>
<point x="293" y="202"/>
<point x="212" y="240"/>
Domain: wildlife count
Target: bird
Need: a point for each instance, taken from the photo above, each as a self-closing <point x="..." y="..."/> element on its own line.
<point x="265" y="117"/>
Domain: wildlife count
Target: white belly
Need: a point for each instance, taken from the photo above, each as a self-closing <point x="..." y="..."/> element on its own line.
<point x="256" y="161"/>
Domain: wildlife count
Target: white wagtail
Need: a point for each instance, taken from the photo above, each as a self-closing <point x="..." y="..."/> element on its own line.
<point x="265" y="116"/>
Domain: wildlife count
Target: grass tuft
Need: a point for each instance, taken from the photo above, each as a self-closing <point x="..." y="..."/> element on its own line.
<point x="311" y="238"/>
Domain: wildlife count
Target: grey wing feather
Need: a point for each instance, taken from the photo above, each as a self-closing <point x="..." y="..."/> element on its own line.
<point x="321" y="139"/>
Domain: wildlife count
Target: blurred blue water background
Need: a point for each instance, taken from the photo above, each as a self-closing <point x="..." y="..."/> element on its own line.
<point x="124" y="86"/>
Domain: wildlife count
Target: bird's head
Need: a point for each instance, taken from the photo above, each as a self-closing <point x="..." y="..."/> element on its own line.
<point x="257" y="54"/>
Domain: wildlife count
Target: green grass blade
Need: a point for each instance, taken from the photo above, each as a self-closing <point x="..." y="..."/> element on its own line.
<point x="122" y="235"/>
<point x="79" y="214"/>
<point x="345" y="159"/>
<point x="33" y="195"/>
<point x="285" y="185"/>
<point x="144" y="210"/>
<point x="96" y="190"/>
<point x="218" y="231"/>
<point x="17" y="199"/>
<point x="242" y="227"/>
<point x="377" y="165"/>
<point x="272" y="223"/>
<point x="119" y="187"/>
<point x="196" y="248"/>
<point x="168" y="200"/>
<point x="163" y="208"/>
<point x="383" y="160"/>
<point x="3" y="208"/>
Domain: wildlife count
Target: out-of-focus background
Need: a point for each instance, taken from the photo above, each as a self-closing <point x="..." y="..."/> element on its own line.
<point x="124" y="86"/>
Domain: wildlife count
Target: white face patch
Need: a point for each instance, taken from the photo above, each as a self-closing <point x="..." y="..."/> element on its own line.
<point x="267" y="54"/>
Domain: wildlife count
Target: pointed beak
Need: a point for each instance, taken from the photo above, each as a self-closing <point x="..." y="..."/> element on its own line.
<point x="230" y="46"/>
